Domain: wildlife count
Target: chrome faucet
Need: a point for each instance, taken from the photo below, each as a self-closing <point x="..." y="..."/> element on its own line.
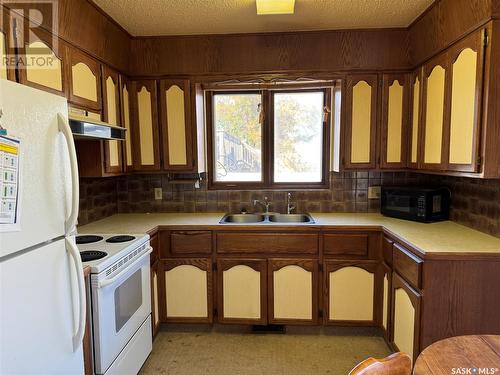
<point x="265" y="204"/>
<point x="289" y="206"/>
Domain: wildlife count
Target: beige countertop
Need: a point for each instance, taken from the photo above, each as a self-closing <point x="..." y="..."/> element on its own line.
<point x="440" y="237"/>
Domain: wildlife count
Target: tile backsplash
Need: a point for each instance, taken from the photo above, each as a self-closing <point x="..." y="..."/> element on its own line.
<point x="475" y="203"/>
<point x="98" y="199"/>
<point x="348" y="193"/>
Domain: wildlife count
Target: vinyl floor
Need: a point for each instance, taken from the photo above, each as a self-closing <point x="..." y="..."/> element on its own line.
<point x="221" y="350"/>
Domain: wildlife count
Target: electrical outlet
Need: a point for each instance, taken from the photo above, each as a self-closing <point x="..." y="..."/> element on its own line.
<point x="374" y="192"/>
<point x="158" y="194"/>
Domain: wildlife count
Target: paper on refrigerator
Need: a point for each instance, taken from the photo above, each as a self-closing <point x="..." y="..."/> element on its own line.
<point x="10" y="181"/>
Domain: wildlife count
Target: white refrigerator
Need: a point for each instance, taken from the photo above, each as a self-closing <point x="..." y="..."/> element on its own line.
<point x="42" y="291"/>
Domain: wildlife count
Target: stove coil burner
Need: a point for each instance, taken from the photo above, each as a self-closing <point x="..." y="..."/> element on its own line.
<point x="80" y="240"/>
<point x="90" y="255"/>
<point x="121" y="238"/>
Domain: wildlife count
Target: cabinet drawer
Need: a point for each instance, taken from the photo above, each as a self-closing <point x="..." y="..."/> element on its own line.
<point x="387" y="250"/>
<point x="346" y="244"/>
<point x="306" y="243"/>
<point x="407" y="265"/>
<point x="191" y="242"/>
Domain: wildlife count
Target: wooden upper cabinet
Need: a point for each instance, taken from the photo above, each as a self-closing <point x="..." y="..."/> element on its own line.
<point x="415" y="118"/>
<point x="395" y="95"/>
<point x="361" y="122"/>
<point x="146" y="141"/>
<point x="84" y="81"/>
<point x="112" y="115"/>
<point x="126" y="93"/>
<point x="6" y="46"/>
<point x="3" y="53"/>
<point x="466" y="76"/>
<point x="44" y="64"/>
<point x="175" y="120"/>
<point x="435" y="115"/>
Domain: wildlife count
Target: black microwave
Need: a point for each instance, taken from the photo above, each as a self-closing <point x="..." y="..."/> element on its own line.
<point x="417" y="204"/>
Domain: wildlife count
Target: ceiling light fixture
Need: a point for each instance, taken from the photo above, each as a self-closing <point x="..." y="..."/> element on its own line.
<point x="266" y="7"/>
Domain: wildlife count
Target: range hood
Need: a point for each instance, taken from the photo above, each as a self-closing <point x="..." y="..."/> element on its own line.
<point x="84" y="127"/>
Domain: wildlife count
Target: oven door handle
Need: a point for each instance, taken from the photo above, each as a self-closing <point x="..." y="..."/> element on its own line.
<point x="106" y="282"/>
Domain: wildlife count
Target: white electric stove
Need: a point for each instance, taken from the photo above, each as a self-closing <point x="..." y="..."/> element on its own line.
<point x="100" y="251"/>
<point x="121" y="300"/>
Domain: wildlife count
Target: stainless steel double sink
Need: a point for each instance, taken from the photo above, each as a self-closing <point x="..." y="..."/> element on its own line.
<point x="267" y="218"/>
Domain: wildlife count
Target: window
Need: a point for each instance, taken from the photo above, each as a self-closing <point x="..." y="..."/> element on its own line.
<point x="298" y="136"/>
<point x="237" y="137"/>
<point x="268" y="138"/>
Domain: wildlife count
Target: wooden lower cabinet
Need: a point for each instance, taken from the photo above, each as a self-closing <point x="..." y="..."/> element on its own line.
<point x="242" y="291"/>
<point x="386" y="322"/>
<point x="347" y="278"/>
<point x="88" y="359"/>
<point x="351" y="292"/>
<point x="188" y="290"/>
<point x="405" y="317"/>
<point x="155" y="302"/>
<point x="293" y="291"/>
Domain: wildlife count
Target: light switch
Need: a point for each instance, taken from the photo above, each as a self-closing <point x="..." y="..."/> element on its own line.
<point x="158" y="194"/>
<point x="374" y="192"/>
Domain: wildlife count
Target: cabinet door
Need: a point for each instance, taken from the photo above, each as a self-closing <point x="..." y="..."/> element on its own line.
<point x="44" y="65"/>
<point x="175" y="120"/>
<point x="155" y="303"/>
<point x="386" y="301"/>
<point x="466" y="77"/>
<point x="111" y="114"/>
<point x="145" y="145"/>
<point x="188" y="290"/>
<point x="394" y="145"/>
<point x="350" y="292"/>
<point x="241" y="291"/>
<point x="126" y="92"/>
<point x="435" y="114"/>
<point x="293" y="291"/>
<point x="7" y="70"/>
<point x="415" y="118"/>
<point x="3" y="54"/>
<point x="361" y="122"/>
<point x="85" y="80"/>
<point x="405" y="317"/>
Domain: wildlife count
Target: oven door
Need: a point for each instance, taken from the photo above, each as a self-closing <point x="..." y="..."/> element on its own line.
<point x="121" y="302"/>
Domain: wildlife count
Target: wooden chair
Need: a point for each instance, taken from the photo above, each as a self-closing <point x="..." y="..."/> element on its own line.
<point x="395" y="364"/>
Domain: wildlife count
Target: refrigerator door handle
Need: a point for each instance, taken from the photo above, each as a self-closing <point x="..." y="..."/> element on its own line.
<point x="64" y="128"/>
<point x="82" y="303"/>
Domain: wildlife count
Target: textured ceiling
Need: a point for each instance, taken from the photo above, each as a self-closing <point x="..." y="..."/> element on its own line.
<point x="185" y="17"/>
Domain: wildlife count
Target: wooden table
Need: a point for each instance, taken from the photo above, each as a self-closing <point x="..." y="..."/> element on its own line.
<point x="475" y="354"/>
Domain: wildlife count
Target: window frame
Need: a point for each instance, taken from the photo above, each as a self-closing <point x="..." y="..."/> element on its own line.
<point x="267" y="150"/>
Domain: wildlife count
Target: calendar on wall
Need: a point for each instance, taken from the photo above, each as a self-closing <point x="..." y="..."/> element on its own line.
<point x="9" y="183"/>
